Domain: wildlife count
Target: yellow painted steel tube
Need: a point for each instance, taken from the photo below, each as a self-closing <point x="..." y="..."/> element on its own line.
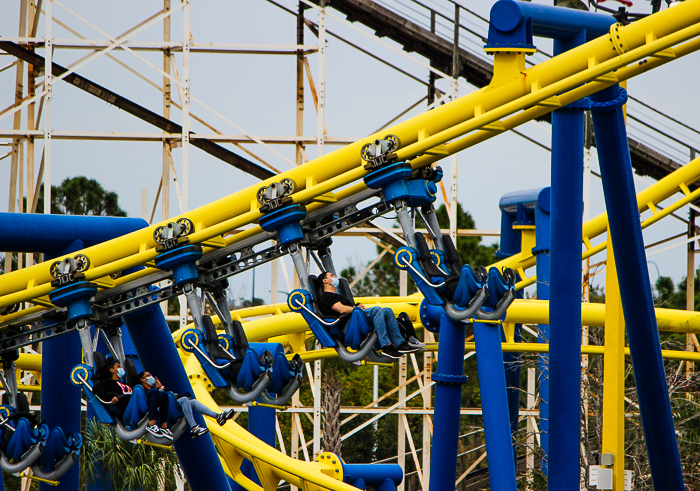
<point x="593" y="314"/>
<point x="521" y="311"/>
<point x="329" y="168"/>
<point x="587" y="350"/>
<point x="295" y="472"/>
<point x="557" y="75"/>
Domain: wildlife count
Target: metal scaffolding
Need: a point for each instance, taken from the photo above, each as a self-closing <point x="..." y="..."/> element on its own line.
<point x="33" y="109"/>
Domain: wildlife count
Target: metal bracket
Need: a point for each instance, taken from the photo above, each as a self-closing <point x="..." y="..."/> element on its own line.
<point x="380" y="152"/>
<point x="142" y="297"/>
<point x="240" y="261"/>
<point x="173" y="234"/>
<point x="69" y="270"/>
<point x="275" y="195"/>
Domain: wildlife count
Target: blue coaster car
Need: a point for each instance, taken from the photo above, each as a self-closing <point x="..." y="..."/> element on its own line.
<point x="131" y="425"/>
<point x="461" y="291"/>
<point x="502" y="293"/>
<point x="241" y="370"/>
<point x="61" y="451"/>
<point x="21" y="440"/>
<point x="353" y="330"/>
<point x="287" y="375"/>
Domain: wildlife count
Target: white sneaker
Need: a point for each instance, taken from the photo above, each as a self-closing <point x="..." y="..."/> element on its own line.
<point x="154" y="430"/>
<point x="166" y="433"/>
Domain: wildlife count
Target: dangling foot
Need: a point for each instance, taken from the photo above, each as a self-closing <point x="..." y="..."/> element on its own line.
<point x="166" y="433"/>
<point x="404" y="348"/>
<point x="221" y="418"/>
<point x="390" y="351"/>
<point x="154" y="430"/>
<point x="414" y="343"/>
<point x="198" y="431"/>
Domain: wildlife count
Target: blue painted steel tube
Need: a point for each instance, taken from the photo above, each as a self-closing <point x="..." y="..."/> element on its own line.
<point x="494" y="402"/>
<point x="382" y="477"/>
<point x="542" y="253"/>
<point x="154" y="344"/>
<point x="51" y="234"/>
<point x="635" y="289"/>
<point x="448" y="402"/>
<point x="549" y="21"/>
<point x="565" y="295"/>
<point x="60" y="399"/>
<point x="512" y="362"/>
<point x="262" y="422"/>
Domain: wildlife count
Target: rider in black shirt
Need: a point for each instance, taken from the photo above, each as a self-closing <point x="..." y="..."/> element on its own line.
<point x="110" y="389"/>
<point x="332" y="304"/>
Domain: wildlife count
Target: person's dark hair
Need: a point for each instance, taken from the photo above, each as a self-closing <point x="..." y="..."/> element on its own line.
<point x="139" y="376"/>
<point x="323" y="275"/>
<point x="105" y="372"/>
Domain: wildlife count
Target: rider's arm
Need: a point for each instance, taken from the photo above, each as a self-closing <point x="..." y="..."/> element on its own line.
<point x="341" y="309"/>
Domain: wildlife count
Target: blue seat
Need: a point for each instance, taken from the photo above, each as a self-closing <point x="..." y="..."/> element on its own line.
<point x="471" y="293"/>
<point x="242" y="371"/>
<point x="407" y="259"/>
<point x="60" y="453"/>
<point x="501" y="289"/>
<point x="22" y="439"/>
<point x="287" y="375"/>
<point x="470" y="282"/>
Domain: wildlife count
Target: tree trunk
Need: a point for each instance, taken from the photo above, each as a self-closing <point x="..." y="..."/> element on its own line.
<point x="331" y="391"/>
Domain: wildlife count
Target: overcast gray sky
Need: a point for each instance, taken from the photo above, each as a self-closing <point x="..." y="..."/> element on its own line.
<point x="257" y="93"/>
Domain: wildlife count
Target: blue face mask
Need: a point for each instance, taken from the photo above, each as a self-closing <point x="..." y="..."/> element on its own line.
<point x="120" y="372"/>
<point x="335" y="282"/>
<point x="151" y="381"/>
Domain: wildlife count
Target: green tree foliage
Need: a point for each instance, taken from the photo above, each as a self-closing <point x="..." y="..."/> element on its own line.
<point x="81" y="196"/>
<point x="122" y="465"/>
<point x="670" y="296"/>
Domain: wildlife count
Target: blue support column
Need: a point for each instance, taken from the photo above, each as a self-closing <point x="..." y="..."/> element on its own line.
<point x="153" y="342"/>
<point x="635" y="288"/>
<point x="511" y="363"/>
<point x="542" y="253"/>
<point x="494" y="404"/>
<point x="448" y="402"/>
<point x="262" y="423"/>
<point x="565" y="302"/>
<point x="60" y="399"/>
<point x="517" y="209"/>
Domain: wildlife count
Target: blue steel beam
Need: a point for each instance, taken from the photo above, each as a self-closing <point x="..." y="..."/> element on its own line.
<point x="542" y="253"/>
<point x="494" y="400"/>
<point x="635" y="289"/>
<point x="60" y="399"/>
<point x="512" y="20"/>
<point x="565" y="295"/>
<point x="448" y="401"/>
<point x="26" y="232"/>
<point x="154" y="344"/>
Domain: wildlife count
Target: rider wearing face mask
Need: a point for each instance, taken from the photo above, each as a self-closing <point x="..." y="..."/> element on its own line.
<point x="333" y="304"/>
<point x="111" y="389"/>
<point x="157" y="393"/>
<point x="157" y="405"/>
